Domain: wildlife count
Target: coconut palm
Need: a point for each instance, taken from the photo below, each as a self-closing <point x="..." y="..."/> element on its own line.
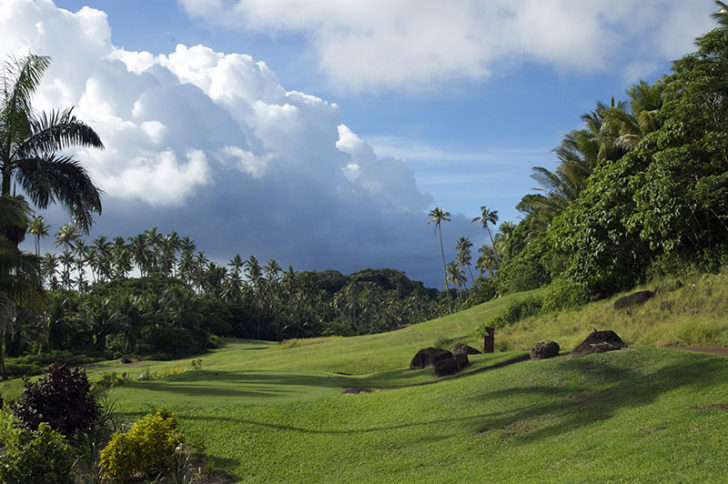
<point x="464" y="258"/>
<point x="456" y="275"/>
<point x="39" y="229"/>
<point x="30" y="144"/>
<point x="437" y="216"/>
<point x="488" y="260"/>
<point x="20" y="279"/>
<point x="487" y="217"/>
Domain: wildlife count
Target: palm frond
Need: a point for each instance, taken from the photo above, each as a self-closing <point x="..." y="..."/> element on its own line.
<point x="57" y="131"/>
<point x="51" y="178"/>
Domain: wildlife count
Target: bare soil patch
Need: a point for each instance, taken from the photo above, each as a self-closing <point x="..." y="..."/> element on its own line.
<point x="715" y="350"/>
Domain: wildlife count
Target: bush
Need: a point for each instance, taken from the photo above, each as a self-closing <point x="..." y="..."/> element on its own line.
<point x="40" y="456"/>
<point x="174" y="341"/>
<point x="149" y="448"/>
<point x="514" y="312"/>
<point x="61" y="398"/>
<point x="565" y="295"/>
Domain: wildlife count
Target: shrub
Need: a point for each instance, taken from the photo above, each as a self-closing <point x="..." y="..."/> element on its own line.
<point x="565" y="295"/>
<point x="40" y="456"/>
<point x="514" y="312"/>
<point x="149" y="448"/>
<point x="62" y="398"/>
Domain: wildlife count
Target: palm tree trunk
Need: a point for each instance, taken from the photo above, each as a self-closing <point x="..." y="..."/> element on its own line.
<point x="444" y="271"/>
<point x="492" y="243"/>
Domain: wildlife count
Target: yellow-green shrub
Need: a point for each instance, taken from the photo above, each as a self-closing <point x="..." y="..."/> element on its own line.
<point x="149" y="448"/>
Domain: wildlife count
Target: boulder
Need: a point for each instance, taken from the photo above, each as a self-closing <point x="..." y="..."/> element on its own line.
<point x="452" y="365"/>
<point x="599" y="342"/>
<point x="463" y="349"/>
<point x="634" y="299"/>
<point x="428" y="357"/>
<point x="544" y="350"/>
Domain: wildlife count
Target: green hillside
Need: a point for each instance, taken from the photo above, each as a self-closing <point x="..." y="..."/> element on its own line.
<point x="278" y="412"/>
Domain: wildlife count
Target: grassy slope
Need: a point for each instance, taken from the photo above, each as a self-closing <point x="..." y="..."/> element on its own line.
<point x="276" y="412"/>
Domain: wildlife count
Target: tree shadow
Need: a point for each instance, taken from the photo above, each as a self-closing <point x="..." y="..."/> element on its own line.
<point x="609" y="389"/>
<point x="205" y="383"/>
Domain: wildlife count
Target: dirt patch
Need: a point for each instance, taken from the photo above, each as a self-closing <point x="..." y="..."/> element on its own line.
<point x="356" y="390"/>
<point x="713" y="406"/>
<point x="715" y="350"/>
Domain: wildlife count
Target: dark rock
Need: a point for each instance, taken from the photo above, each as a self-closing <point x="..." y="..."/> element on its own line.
<point x="544" y="349"/>
<point x="428" y="357"/>
<point x="463" y="349"/>
<point x="599" y="342"/>
<point x="450" y="366"/>
<point x="634" y="299"/>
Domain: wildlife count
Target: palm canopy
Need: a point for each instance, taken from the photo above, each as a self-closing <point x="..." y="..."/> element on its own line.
<point x="30" y="144"/>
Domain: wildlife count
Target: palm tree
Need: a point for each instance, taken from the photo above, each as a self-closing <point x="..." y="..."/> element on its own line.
<point x="20" y="278"/>
<point x="464" y="257"/>
<point x="29" y="145"/>
<point x="49" y="266"/>
<point x="39" y="229"/>
<point x="488" y="260"/>
<point x="456" y="275"/>
<point x="437" y="216"/>
<point x="488" y="216"/>
<point x="67" y="236"/>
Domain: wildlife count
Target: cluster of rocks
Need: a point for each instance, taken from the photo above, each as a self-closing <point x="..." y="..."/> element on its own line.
<point x="445" y="362"/>
<point x="450" y="362"/>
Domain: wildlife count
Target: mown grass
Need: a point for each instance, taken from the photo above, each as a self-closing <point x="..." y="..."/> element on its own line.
<point x="642" y="415"/>
<point x="271" y="412"/>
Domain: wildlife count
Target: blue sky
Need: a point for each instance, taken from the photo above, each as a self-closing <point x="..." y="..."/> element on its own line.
<point x="364" y="116"/>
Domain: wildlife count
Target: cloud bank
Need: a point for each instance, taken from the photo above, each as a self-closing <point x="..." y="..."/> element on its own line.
<point x="416" y="44"/>
<point x="212" y="146"/>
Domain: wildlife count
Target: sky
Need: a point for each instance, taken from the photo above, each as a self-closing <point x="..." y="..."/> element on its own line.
<point x="321" y="132"/>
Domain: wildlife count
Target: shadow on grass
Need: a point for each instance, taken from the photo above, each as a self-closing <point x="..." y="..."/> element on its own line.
<point x="204" y="383"/>
<point x="607" y="389"/>
<point x="567" y="395"/>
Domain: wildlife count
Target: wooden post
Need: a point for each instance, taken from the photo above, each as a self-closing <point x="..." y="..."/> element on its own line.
<point x="489" y="340"/>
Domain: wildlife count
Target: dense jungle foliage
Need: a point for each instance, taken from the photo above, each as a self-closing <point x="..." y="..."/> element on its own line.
<point x="640" y="191"/>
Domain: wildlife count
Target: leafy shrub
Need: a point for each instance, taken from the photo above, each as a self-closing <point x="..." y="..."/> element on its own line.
<point x="514" y="312"/>
<point x="40" y="456"/>
<point x="174" y="341"/>
<point x="149" y="448"/>
<point x="565" y="295"/>
<point x="110" y="380"/>
<point x="62" y="398"/>
<point x="214" y="341"/>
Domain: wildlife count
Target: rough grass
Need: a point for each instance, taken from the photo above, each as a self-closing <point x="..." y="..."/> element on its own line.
<point x="692" y="312"/>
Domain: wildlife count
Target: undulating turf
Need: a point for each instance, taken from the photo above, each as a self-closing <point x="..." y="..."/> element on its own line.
<point x="271" y="412"/>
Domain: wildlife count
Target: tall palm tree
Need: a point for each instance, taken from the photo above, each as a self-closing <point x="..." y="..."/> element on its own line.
<point x="456" y="275"/>
<point x="39" y="229"/>
<point x="20" y="278"/>
<point x="464" y="258"/>
<point x="487" y="217"/>
<point x="437" y="216"/>
<point x="30" y="144"/>
<point x="488" y="260"/>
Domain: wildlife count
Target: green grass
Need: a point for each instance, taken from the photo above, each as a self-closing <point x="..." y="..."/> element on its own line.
<point x="642" y="415"/>
<point x="272" y="412"/>
<point x="695" y="314"/>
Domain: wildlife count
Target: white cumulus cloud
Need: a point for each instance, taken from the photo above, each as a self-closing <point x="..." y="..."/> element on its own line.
<point x="211" y="145"/>
<point x="406" y="44"/>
